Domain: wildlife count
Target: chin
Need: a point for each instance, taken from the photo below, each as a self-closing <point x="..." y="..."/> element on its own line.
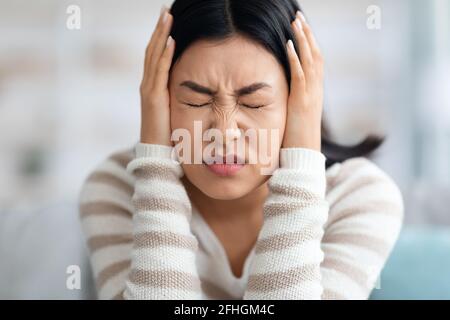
<point x="226" y="190"/>
<point x="221" y="188"/>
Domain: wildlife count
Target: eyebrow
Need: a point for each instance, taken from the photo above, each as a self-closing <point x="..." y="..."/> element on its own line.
<point x="240" y="92"/>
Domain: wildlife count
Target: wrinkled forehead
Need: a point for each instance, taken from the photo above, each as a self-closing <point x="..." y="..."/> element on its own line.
<point x="227" y="64"/>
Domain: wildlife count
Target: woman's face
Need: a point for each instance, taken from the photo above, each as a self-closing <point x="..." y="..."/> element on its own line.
<point x="216" y="87"/>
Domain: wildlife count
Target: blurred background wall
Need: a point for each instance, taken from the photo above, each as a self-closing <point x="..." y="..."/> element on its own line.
<point x="68" y="98"/>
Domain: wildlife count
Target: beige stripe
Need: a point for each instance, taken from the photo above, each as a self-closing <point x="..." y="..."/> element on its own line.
<point x="114" y="285"/>
<point x="331" y="183"/>
<point x="285" y="279"/>
<point x="111" y="271"/>
<point x="332" y="295"/>
<point x="276" y="209"/>
<point x="123" y="158"/>
<point x="214" y="292"/>
<point x="380" y="206"/>
<point x="165" y="279"/>
<point x="156" y="239"/>
<point x="112" y="180"/>
<point x="366" y="241"/>
<point x="348" y="168"/>
<point x="119" y="296"/>
<point x="338" y="250"/>
<point x="161" y="171"/>
<point x="349" y="270"/>
<point x="356" y="185"/>
<point x="282" y="241"/>
<point x="102" y="208"/>
<point x="294" y="191"/>
<point x="98" y="242"/>
<point x="162" y="205"/>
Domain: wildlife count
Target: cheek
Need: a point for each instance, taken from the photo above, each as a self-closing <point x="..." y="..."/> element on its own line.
<point x="183" y="117"/>
<point x="177" y="120"/>
<point x="273" y="118"/>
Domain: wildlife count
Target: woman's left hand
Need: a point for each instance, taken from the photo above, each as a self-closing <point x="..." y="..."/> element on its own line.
<point x="304" y="110"/>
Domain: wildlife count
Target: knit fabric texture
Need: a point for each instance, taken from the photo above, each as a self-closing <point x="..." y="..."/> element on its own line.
<point x="326" y="233"/>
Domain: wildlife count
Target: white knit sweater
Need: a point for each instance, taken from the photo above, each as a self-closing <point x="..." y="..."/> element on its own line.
<point x="326" y="233"/>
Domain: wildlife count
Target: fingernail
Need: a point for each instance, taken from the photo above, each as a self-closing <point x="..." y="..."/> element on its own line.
<point x="163" y="8"/>
<point x="301" y="16"/>
<point x="166" y="14"/>
<point x="291" y="44"/>
<point x="169" y="41"/>
<point x="298" y="23"/>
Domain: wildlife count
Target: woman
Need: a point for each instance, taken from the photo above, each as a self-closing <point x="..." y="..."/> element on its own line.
<point x="319" y="225"/>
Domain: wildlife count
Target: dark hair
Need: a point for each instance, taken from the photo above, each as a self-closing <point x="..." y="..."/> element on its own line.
<point x="265" y="21"/>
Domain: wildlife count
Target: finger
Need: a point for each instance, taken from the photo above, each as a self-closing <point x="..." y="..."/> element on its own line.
<point x="160" y="44"/>
<point x="297" y="74"/>
<point x="162" y="74"/>
<point x="151" y="44"/>
<point x="315" y="50"/>
<point x="305" y="50"/>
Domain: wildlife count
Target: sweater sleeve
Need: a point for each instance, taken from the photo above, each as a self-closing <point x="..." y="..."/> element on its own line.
<point x="135" y="215"/>
<point x="313" y="247"/>
<point x="287" y="257"/>
<point x="106" y="213"/>
<point x="365" y="219"/>
<point x="164" y="248"/>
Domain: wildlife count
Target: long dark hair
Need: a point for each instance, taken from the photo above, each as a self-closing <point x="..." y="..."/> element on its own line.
<point x="268" y="23"/>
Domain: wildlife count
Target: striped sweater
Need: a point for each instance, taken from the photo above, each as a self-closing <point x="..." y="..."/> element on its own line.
<point x="326" y="233"/>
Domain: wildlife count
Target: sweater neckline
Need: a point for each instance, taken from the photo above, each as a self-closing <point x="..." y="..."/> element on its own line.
<point x="212" y="243"/>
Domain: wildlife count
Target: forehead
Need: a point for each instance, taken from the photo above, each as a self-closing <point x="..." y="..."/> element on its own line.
<point x="233" y="62"/>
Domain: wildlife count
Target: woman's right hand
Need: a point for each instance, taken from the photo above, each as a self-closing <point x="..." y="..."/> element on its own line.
<point x="155" y="98"/>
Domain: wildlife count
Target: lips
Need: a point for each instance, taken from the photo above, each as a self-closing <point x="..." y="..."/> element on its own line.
<point x="226" y="169"/>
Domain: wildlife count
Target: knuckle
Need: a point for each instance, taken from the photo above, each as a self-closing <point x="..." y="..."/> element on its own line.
<point x="307" y="28"/>
<point x="308" y="60"/>
<point x="152" y="93"/>
<point x="299" y="75"/>
<point x="161" y="67"/>
<point x="146" y="90"/>
<point x="148" y="48"/>
<point x="152" y="89"/>
<point x="302" y="33"/>
<point x="319" y="57"/>
<point x="142" y="88"/>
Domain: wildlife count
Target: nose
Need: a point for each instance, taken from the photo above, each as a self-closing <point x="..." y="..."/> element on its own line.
<point x="225" y="121"/>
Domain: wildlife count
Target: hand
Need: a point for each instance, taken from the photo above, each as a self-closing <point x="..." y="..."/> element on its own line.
<point x="304" y="111"/>
<point x="155" y="99"/>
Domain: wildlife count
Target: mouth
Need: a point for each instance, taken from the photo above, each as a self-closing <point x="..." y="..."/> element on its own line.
<point x="226" y="168"/>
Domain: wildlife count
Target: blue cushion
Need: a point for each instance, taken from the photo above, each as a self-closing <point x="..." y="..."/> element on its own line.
<point x="419" y="266"/>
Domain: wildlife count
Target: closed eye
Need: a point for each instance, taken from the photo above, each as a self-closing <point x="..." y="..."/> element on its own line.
<point x="252" y="106"/>
<point x="197" y="105"/>
<point x="192" y="105"/>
